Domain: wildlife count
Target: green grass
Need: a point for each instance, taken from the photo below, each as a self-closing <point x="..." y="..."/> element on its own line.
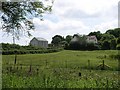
<point x="61" y="70"/>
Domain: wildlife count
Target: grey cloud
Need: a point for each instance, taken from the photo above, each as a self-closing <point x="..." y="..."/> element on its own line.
<point x="42" y="27"/>
<point x="78" y="14"/>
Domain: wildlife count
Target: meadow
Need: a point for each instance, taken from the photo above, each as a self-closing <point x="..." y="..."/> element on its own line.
<point x="64" y="69"/>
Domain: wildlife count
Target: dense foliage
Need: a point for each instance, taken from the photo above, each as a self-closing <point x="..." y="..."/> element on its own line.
<point x="118" y="47"/>
<point x="109" y="40"/>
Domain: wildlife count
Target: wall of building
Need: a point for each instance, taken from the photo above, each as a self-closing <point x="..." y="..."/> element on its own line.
<point x="35" y="42"/>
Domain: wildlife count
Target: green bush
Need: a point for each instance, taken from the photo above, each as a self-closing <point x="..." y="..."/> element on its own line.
<point x="115" y="56"/>
<point x="118" y="40"/>
<point x="92" y="46"/>
<point x="9" y="49"/>
<point x="10" y="52"/>
<point x="118" y="47"/>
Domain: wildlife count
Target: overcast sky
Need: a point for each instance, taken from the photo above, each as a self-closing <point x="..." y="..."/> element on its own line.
<point x="73" y="16"/>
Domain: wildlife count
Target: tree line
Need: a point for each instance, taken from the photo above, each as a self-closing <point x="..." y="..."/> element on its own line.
<point x="110" y="40"/>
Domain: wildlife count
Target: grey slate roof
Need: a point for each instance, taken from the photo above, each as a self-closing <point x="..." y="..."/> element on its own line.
<point x="40" y="39"/>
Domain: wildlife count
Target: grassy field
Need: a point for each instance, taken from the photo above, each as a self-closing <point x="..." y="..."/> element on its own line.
<point x="65" y="69"/>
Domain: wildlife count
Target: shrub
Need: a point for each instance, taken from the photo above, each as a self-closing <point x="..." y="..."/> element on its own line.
<point x="74" y="46"/>
<point x="106" y="45"/>
<point x="10" y="52"/>
<point x="115" y="56"/>
<point x="91" y="46"/>
<point x="118" y="40"/>
<point x="118" y="47"/>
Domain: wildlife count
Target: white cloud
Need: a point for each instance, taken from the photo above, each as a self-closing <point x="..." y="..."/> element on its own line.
<point x="89" y="7"/>
<point x="106" y="26"/>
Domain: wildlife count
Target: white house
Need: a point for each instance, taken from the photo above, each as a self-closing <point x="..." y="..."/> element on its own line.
<point x="39" y="42"/>
<point x="91" y="39"/>
<point x="88" y="39"/>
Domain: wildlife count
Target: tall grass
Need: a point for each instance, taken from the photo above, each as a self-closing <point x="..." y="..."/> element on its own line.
<point x="65" y="69"/>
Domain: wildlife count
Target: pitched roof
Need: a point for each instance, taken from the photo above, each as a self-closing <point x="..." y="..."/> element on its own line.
<point x="92" y="37"/>
<point x="75" y="39"/>
<point x="40" y="39"/>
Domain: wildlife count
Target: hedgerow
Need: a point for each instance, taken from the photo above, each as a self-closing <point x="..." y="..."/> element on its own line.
<point x="10" y="52"/>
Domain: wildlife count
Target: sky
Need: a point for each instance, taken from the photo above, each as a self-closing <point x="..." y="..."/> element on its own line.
<point x="69" y="17"/>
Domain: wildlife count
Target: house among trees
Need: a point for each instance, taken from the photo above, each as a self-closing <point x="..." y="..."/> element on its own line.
<point x="83" y="42"/>
<point x="91" y="39"/>
<point x="39" y="42"/>
<point x="84" y="38"/>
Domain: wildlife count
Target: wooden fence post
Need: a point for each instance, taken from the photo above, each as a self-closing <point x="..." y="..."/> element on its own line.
<point x="89" y="65"/>
<point x="21" y="66"/>
<point x="103" y="65"/>
<point x="15" y="59"/>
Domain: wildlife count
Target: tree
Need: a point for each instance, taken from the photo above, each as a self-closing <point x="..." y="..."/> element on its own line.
<point x="17" y="16"/>
<point x="78" y="42"/>
<point x="118" y="44"/>
<point x="118" y="47"/>
<point x="82" y="39"/>
<point x="57" y="39"/>
<point x="106" y="45"/>
<point x="90" y="46"/>
<point x="68" y="38"/>
<point x="107" y="37"/>
<point x="75" y="42"/>
<point x="115" y="32"/>
<point x="118" y="40"/>
<point x="113" y="44"/>
<point x="64" y="44"/>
